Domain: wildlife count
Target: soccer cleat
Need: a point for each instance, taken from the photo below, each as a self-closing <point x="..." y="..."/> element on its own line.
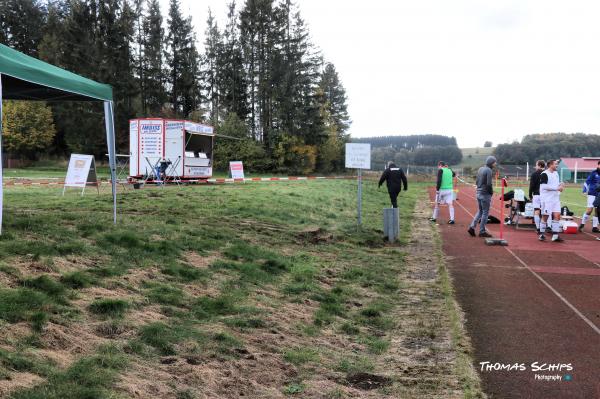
<point x="451" y="222"/>
<point x="432" y="220"/>
<point x="557" y="239"/>
<point x="471" y="231"/>
<point x="595" y="230"/>
<point x="581" y="226"/>
<point x="542" y="237"/>
<point x="485" y="234"/>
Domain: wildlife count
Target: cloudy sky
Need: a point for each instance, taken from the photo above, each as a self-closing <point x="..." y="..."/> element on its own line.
<point x="477" y="70"/>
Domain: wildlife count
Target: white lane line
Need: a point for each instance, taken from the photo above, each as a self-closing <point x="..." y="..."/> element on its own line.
<point x="565" y="301"/>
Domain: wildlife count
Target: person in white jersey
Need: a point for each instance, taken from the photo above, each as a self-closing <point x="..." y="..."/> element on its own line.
<point x="550" y="189"/>
<point x="534" y="192"/>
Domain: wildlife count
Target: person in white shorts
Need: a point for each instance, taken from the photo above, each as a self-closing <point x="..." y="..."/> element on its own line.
<point x="444" y="191"/>
<point x="534" y="192"/>
<point x="550" y="189"/>
<point x="591" y="187"/>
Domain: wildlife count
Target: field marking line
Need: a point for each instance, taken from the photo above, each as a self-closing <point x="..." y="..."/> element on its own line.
<point x="576" y="217"/>
<point x="565" y="301"/>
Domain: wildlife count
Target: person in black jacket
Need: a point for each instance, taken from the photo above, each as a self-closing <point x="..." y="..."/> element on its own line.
<point x="395" y="179"/>
<point x="534" y="191"/>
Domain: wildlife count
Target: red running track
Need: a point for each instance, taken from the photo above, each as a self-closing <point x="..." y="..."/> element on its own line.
<point x="529" y="302"/>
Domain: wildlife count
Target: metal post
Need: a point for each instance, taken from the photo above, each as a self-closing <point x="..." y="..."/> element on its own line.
<point x="359" y="197"/>
<point x="527" y="175"/>
<point x="110" y="140"/>
<point x="575" y="175"/>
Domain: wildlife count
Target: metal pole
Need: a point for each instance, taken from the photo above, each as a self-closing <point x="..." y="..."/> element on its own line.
<point x="527" y="176"/>
<point x="110" y="140"/>
<point x="359" y="197"/>
<point x="575" y="175"/>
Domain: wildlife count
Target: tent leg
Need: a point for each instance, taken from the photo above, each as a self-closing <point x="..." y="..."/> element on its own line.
<point x="110" y="140"/>
<point x="1" y="168"/>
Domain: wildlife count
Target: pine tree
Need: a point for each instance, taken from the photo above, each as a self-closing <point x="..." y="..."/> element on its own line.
<point x="212" y="65"/>
<point x="21" y="24"/>
<point x="153" y="76"/>
<point x="334" y="97"/>
<point x="231" y="69"/>
<point x="182" y="61"/>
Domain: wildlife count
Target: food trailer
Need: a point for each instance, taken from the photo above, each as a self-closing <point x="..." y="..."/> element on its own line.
<point x="183" y="148"/>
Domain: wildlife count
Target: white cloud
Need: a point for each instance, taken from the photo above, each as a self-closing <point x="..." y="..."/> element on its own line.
<point x="477" y="70"/>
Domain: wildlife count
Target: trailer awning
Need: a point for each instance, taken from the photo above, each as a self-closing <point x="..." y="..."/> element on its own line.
<point x="27" y="78"/>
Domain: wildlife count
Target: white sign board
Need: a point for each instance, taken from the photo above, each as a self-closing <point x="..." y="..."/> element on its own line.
<point x="79" y="170"/>
<point x="198" y="128"/>
<point x="358" y="156"/>
<point x="236" y="169"/>
<point x="151" y="138"/>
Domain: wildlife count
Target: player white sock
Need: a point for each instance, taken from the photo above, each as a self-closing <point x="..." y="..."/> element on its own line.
<point x="536" y="218"/>
<point x="542" y="227"/>
<point x="555" y="227"/>
<point x="585" y="218"/>
<point x="451" y="212"/>
<point x="595" y="221"/>
<point x="436" y="211"/>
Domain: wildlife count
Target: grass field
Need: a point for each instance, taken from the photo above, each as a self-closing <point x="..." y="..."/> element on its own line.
<point x="474" y="157"/>
<point x="265" y="290"/>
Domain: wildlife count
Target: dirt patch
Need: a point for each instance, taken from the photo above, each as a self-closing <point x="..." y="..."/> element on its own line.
<point x="367" y="381"/>
<point x="73" y="263"/>
<point x="315" y="235"/>
<point x="18" y="381"/>
<point x="200" y="261"/>
<point x="79" y="338"/>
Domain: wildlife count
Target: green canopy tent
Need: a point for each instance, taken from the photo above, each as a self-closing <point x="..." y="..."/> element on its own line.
<point x="26" y="78"/>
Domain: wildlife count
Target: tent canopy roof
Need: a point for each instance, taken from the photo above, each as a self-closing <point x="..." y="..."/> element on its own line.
<point x="27" y="78"/>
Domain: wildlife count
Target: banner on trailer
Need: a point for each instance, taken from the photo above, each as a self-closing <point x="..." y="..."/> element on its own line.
<point x="358" y="156"/>
<point x="82" y="170"/>
<point x="151" y="138"/>
<point x="236" y="169"/>
<point x="198" y="128"/>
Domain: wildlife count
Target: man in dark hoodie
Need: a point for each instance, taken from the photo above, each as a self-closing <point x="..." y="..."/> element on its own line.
<point x="394" y="178"/>
<point x="485" y="190"/>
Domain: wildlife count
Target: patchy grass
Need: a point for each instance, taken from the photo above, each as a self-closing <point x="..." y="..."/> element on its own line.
<point x="300" y="356"/>
<point x="282" y="287"/>
<point x="109" y="307"/>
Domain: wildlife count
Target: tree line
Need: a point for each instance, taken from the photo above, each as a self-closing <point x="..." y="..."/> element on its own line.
<point x="258" y="78"/>
<point x="422" y="150"/>
<point x="548" y="146"/>
<point x="410" y="142"/>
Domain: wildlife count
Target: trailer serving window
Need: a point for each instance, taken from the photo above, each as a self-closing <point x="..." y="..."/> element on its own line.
<point x="198" y="149"/>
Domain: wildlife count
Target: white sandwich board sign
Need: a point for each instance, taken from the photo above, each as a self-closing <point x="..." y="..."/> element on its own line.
<point x="81" y="172"/>
<point x="358" y="156"/>
<point x="236" y="168"/>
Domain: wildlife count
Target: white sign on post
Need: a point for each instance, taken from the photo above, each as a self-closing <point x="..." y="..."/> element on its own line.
<point x="358" y="156"/>
<point x="236" y="168"/>
<point x="81" y="171"/>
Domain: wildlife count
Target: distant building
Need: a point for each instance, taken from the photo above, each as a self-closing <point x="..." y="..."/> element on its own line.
<point x="584" y="166"/>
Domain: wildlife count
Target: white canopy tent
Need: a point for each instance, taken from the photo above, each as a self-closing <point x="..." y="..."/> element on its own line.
<point x="26" y="78"/>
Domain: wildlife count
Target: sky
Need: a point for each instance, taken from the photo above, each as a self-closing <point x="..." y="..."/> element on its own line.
<point x="476" y="70"/>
